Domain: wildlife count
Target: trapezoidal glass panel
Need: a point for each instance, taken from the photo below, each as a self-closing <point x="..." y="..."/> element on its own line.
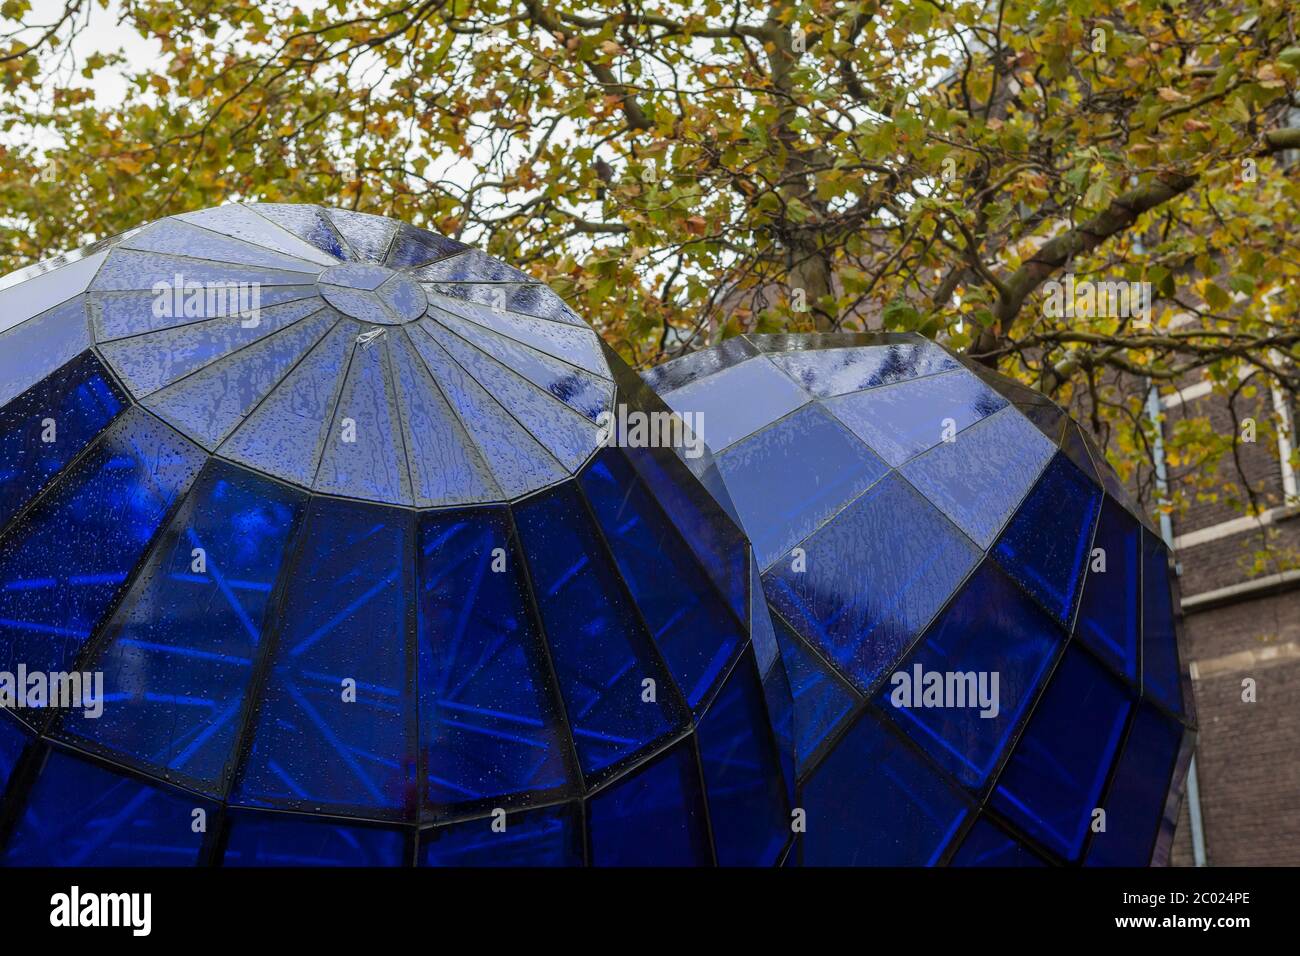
<point x="652" y="817"/>
<point x="600" y="648"/>
<point x="274" y="839"/>
<point x="490" y="726"/>
<point x="66" y="561"/>
<point x="1054" y="779"/>
<point x="737" y="401"/>
<point x="1109" y="610"/>
<point x="45" y="427"/>
<point x="826" y="372"/>
<point x="1135" y="803"/>
<point x="549" y="837"/>
<point x="980" y="477"/>
<point x="742" y="773"/>
<point x="821" y="698"/>
<point x="913" y="816"/>
<point x="79" y="814"/>
<point x="335" y="729"/>
<point x="692" y="626"/>
<point x="902" y="420"/>
<point x="1045" y="545"/>
<point x="1161" y="673"/>
<point x="178" y="657"/>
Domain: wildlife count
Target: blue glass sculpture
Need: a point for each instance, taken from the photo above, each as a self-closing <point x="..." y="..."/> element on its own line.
<point x="326" y="500"/>
<point x="976" y="623"/>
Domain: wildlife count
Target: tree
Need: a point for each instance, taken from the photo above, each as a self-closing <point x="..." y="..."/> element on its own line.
<point x="682" y="171"/>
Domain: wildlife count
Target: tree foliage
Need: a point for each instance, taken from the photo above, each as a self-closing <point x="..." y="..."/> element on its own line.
<point x="683" y="171"/>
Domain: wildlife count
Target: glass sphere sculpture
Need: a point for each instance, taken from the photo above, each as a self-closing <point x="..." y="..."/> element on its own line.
<point x="323" y="502"/>
<point x="976" y="624"/>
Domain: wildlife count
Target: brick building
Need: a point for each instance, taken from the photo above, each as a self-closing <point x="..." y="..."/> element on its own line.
<point x="1242" y="624"/>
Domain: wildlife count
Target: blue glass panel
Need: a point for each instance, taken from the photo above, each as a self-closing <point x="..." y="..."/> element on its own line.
<point x="738" y="401"/>
<point x="718" y="543"/>
<point x="551" y="836"/>
<point x="65" y="563"/>
<point x="369" y="235"/>
<point x="33" y="349"/>
<point x="127" y="270"/>
<point x="820" y="698"/>
<point x="472" y="266"/>
<point x="528" y="299"/>
<point x="577" y="346"/>
<point x="835" y="371"/>
<point x="1161" y="674"/>
<point x="12" y="741"/>
<point x="446" y="466"/>
<point x="872" y="579"/>
<point x="902" y="420"/>
<point x="345" y="619"/>
<point x="694" y="366"/>
<point x="179" y="656"/>
<point x="580" y="390"/>
<point x="1046" y="544"/>
<point x="991" y="632"/>
<point x="285" y="433"/>
<point x="1076" y="448"/>
<point x="80" y="400"/>
<point x="1054" y="778"/>
<point x="979" y="479"/>
<point x="265" y="839"/>
<point x="780" y="715"/>
<point x="210" y="403"/>
<point x="417" y="247"/>
<point x="760" y="623"/>
<point x="562" y="431"/>
<point x="243" y="222"/>
<point x="369" y="460"/>
<point x="875" y="802"/>
<point x="742" y="773"/>
<point x="1136" y="801"/>
<point x="148" y="362"/>
<point x="809" y="451"/>
<point x="986" y="844"/>
<point x="691" y="624"/>
<point x="180" y="238"/>
<point x="489" y="723"/>
<point x="519" y="464"/>
<point x="653" y="817"/>
<point x="1108" y="610"/>
<point x="307" y="222"/>
<point x="116" y="315"/>
<point x="79" y="814"/>
<point x="599" y="646"/>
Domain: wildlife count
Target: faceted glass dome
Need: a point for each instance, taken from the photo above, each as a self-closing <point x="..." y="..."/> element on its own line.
<point x="925" y="527"/>
<point x="326" y="500"/>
